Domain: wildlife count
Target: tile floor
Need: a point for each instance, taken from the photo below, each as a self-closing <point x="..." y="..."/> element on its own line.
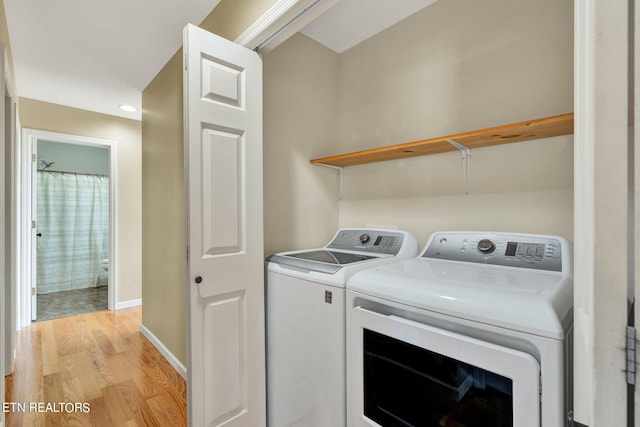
<point x="68" y="303"/>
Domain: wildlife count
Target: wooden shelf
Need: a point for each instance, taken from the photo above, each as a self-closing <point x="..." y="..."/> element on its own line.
<point x="515" y="132"/>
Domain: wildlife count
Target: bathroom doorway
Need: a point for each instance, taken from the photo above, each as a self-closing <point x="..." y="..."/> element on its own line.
<point x="71" y="204"/>
<point x="72" y="239"/>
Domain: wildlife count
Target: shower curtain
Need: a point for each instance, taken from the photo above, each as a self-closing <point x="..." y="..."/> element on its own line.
<point x="73" y="217"/>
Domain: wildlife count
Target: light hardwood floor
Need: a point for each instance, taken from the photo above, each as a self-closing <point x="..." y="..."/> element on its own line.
<point x="98" y="358"/>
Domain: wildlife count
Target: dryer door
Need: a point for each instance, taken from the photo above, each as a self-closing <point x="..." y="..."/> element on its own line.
<point x="405" y="373"/>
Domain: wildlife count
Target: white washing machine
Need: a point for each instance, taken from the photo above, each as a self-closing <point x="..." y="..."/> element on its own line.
<point x="305" y="298"/>
<point x="476" y="331"/>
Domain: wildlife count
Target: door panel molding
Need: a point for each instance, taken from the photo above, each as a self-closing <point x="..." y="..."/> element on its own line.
<point x="228" y="364"/>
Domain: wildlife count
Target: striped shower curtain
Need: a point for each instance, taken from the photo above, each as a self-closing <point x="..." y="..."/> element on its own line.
<point x="73" y="217"/>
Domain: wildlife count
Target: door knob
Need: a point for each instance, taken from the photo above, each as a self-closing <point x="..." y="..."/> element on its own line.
<point x="39" y="234"/>
<point x="198" y="280"/>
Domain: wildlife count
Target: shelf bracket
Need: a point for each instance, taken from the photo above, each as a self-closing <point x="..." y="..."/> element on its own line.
<point x="465" y="152"/>
<point x="340" y="170"/>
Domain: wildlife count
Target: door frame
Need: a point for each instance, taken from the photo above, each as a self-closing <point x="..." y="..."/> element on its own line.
<point x="3" y="255"/>
<point x="11" y="219"/>
<point x="28" y="137"/>
<point x="602" y="226"/>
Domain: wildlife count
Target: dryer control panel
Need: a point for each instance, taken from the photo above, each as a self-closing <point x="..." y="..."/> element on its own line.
<point x="514" y="250"/>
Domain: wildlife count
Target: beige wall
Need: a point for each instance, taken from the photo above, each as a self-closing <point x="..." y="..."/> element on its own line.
<point x="300" y="123"/>
<point x="460" y="65"/>
<point x="57" y="118"/>
<point x="163" y="233"/>
<point x="163" y="212"/>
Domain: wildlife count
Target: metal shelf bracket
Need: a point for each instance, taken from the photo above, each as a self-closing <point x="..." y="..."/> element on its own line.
<point x="340" y="170"/>
<point x="465" y="153"/>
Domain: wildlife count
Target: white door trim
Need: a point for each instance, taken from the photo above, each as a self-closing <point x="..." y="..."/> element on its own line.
<point x="281" y="21"/>
<point x="24" y="297"/>
<point x="636" y="182"/>
<point x="28" y="136"/>
<point x="583" y="208"/>
<point x="601" y="230"/>
<point x="3" y="220"/>
<point x="11" y="218"/>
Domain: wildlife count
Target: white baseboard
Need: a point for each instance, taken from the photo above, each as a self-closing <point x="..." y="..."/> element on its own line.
<point x="128" y="304"/>
<point x="173" y="361"/>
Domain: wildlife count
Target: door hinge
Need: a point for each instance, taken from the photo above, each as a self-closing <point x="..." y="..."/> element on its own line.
<point x="33" y="291"/>
<point x="631" y="355"/>
<point x="33" y="157"/>
<point x="33" y="224"/>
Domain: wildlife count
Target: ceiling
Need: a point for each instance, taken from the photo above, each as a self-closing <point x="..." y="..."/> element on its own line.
<point x="351" y="22"/>
<point x="97" y="55"/>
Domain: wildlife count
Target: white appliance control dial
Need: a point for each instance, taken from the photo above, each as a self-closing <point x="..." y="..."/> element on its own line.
<point x="486" y="246"/>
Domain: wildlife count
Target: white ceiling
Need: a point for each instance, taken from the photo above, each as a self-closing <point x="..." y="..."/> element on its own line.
<point x="351" y="22"/>
<point x="99" y="54"/>
<point x="96" y="54"/>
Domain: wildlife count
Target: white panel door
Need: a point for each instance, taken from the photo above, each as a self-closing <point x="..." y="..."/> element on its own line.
<point x="223" y="164"/>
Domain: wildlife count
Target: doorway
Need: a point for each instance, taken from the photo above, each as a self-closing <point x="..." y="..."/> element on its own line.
<point x="69" y="198"/>
<point x="72" y="238"/>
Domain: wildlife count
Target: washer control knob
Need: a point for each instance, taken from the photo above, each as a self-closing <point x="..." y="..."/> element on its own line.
<point x="486" y="246"/>
<point x="364" y="238"/>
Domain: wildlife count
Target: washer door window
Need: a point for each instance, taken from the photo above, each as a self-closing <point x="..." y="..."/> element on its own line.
<point x="410" y="374"/>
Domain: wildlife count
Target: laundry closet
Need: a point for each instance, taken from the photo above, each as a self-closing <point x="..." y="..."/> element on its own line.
<point x="455" y="66"/>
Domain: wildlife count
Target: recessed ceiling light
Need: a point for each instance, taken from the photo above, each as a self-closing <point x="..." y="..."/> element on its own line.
<point x="129" y="108"/>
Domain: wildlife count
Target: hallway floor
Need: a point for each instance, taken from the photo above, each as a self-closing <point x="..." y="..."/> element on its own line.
<point x="99" y="363"/>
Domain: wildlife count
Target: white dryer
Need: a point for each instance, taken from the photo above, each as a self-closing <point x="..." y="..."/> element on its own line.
<point x="305" y="305"/>
<point x="476" y="331"/>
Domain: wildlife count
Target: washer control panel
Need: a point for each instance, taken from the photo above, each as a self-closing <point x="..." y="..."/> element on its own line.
<point x="513" y="250"/>
<point x="375" y="241"/>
